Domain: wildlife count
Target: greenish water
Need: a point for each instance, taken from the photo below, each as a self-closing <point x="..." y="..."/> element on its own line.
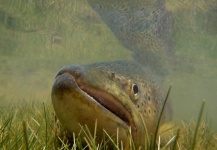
<point x="39" y="37"/>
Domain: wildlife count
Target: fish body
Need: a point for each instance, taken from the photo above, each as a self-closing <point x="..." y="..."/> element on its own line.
<point x="118" y="95"/>
<point x="141" y="26"/>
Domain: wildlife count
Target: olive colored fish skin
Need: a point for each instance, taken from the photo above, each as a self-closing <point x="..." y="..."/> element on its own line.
<point x="116" y="94"/>
<point x="141" y="26"/>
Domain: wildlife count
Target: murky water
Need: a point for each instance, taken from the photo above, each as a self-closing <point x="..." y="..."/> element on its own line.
<point x="39" y="37"/>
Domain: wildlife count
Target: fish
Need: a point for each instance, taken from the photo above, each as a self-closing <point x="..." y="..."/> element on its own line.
<point x="118" y="95"/>
<point x="122" y="98"/>
<point x="143" y="27"/>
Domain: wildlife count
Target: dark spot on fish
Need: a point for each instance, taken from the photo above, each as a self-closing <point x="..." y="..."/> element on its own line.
<point x="126" y="9"/>
<point x="100" y="6"/>
<point x="149" y="98"/>
<point x="112" y="75"/>
<point x="149" y="111"/>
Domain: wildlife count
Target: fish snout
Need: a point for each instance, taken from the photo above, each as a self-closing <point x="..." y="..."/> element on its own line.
<point x="67" y="81"/>
<point x="74" y="70"/>
<point x="63" y="83"/>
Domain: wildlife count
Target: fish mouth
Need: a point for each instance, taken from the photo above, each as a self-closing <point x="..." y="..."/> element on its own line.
<point x="107" y="101"/>
<point x="101" y="97"/>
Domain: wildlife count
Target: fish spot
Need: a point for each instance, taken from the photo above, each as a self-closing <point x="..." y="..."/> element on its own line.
<point x="149" y="111"/>
<point x="155" y="111"/>
<point x="142" y="9"/>
<point x="112" y="75"/>
<point x="100" y="6"/>
<point x="126" y="9"/>
<point x="137" y="105"/>
<point x="145" y="111"/>
<point x="149" y="98"/>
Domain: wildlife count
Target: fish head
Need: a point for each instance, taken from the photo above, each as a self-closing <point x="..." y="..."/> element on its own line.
<point x="115" y="97"/>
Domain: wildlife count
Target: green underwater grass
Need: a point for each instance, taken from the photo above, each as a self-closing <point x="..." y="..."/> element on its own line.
<point x="31" y="126"/>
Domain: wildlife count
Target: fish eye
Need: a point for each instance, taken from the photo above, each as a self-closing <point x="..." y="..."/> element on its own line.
<point x="135" y="89"/>
<point x="134" y="92"/>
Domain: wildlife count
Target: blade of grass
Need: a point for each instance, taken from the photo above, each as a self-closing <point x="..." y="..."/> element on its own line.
<point x="33" y="137"/>
<point x="173" y="141"/>
<point x="95" y="128"/>
<point x="45" y="117"/>
<point x="74" y="142"/>
<point x="132" y="145"/>
<point x="3" y="130"/>
<point x="4" y="140"/>
<point x="115" y="145"/>
<point x="25" y="136"/>
<point x="147" y="140"/>
<point x="197" y="126"/>
<point x="159" y="119"/>
<point x="63" y="144"/>
<point x="17" y="138"/>
<point x="176" y="140"/>
<point x="90" y="140"/>
<point x="7" y="123"/>
<point x="88" y="143"/>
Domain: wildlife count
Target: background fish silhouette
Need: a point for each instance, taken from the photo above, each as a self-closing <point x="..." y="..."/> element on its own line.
<point x="142" y="26"/>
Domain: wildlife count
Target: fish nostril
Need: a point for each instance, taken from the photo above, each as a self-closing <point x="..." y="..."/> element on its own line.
<point x="61" y="72"/>
<point x="73" y="70"/>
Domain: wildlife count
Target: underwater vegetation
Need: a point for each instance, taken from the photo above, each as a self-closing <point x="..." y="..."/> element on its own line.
<point x="31" y="126"/>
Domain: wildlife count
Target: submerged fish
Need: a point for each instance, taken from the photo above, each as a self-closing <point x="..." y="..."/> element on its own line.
<point x="121" y="94"/>
<point x="117" y="95"/>
<point x="141" y="26"/>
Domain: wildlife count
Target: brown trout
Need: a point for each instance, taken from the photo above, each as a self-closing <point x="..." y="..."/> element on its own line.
<point x="118" y="95"/>
<point x="141" y="26"/>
